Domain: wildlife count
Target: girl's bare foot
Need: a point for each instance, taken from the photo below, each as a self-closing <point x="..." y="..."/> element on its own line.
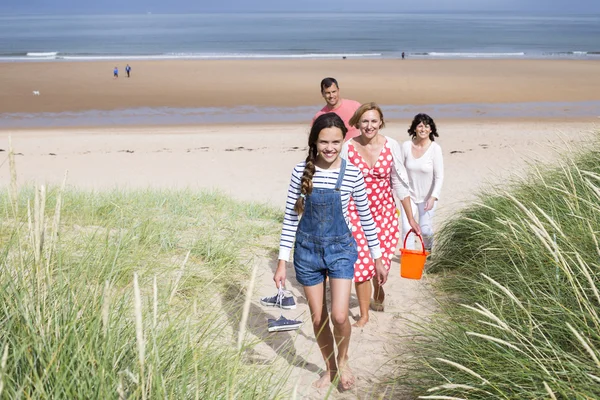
<point x="325" y="380"/>
<point x="361" y="322"/>
<point x="346" y="378"/>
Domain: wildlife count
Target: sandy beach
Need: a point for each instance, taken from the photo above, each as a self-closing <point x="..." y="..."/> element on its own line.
<point x="77" y="86"/>
<point x="180" y="156"/>
<point x="254" y="162"/>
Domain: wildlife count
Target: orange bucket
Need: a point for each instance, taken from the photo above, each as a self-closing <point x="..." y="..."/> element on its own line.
<point x="412" y="262"/>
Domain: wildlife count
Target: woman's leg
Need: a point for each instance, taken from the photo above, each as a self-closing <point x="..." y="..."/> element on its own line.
<point x="363" y="293"/>
<point x="315" y="296"/>
<point x="410" y="243"/>
<point x="426" y="224"/>
<point x="340" y="302"/>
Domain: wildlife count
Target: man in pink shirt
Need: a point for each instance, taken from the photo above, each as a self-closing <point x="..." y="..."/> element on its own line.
<point x="343" y="107"/>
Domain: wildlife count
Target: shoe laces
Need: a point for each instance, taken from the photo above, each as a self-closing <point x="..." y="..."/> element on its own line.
<point x="280" y="296"/>
<point x="279" y="300"/>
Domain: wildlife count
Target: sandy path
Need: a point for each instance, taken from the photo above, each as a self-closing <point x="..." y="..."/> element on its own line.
<point x="254" y="162"/>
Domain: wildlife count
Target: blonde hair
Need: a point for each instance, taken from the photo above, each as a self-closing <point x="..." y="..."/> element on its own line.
<point x="363" y="109"/>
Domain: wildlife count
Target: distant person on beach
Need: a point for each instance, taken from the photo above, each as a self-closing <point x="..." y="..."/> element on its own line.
<point x="345" y="108"/>
<point x="116" y="72"/>
<point x="379" y="159"/>
<point x="403" y="55"/>
<point x="316" y="224"/>
<point x="128" y="70"/>
<point x="422" y="158"/>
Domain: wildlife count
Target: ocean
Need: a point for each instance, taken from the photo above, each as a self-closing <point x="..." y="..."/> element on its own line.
<point x="262" y="35"/>
<point x="58" y="38"/>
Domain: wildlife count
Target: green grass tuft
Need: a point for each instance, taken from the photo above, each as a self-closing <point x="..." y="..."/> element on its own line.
<point x="67" y="315"/>
<point x="521" y="268"/>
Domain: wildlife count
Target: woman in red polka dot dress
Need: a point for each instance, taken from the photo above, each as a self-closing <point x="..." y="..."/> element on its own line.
<point x="377" y="156"/>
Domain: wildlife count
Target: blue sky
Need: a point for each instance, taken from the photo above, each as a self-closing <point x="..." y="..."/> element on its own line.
<point x="199" y="6"/>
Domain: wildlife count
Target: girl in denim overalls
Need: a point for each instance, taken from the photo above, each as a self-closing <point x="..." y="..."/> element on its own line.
<point x="316" y="223"/>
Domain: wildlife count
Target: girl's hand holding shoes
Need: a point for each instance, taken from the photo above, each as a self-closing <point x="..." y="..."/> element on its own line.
<point x="280" y="274"/>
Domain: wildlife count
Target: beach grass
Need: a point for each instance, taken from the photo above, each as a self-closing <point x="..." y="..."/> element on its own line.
<point x="519" y="277"/>
<point x="130" y="294"/>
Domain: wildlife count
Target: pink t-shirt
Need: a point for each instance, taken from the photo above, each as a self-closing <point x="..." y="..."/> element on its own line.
<point x="345" y="111"/>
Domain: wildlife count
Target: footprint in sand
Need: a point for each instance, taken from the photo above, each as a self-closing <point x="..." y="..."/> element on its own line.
<point x="244" y="148"/>
<point x="203" y="148"/>
<point x="296" y="148"/>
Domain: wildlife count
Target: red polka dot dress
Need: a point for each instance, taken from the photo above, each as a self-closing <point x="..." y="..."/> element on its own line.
<point x="383" y="209"/>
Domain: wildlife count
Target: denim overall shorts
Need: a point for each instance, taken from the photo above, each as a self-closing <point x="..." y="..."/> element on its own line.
<point x="324" y="244"/>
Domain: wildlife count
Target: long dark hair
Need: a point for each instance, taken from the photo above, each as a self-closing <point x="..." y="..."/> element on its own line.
<point x="426" y="120"/>
<point x="329" y="120"/>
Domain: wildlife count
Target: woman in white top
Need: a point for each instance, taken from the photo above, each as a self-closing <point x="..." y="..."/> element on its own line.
<point x="422" y="158"/>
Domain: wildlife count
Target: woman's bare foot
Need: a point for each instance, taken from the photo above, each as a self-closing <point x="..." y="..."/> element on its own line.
<point x="362" y="321"/>
<point x="346" y="378"/>
<point x="325" y="380"/>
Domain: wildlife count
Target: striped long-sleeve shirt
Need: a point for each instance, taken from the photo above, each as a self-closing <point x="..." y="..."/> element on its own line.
<point x="353" y="185"/>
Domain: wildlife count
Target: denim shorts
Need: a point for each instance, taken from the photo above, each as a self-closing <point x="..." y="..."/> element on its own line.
<point x="315" y="258"/>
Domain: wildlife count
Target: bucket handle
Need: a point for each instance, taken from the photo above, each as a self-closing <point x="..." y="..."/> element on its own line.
<point x="420" y="238"/>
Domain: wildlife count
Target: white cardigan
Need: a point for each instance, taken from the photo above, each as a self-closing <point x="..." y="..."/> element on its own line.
<point x="399" y="177"/>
